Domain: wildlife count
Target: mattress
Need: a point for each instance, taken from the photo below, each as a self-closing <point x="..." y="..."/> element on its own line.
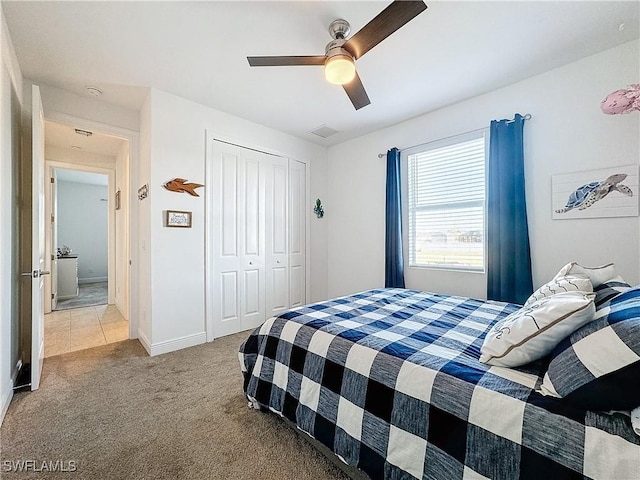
<point x="390" y="381"/>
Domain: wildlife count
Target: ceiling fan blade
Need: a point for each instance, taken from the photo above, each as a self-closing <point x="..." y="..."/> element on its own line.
<point x="356" y="92"/>
<point x="286" y="61"/>
<point x="395" y="16"/>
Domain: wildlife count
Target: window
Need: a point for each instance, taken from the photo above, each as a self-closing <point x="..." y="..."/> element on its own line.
<point x="446" y="203"/>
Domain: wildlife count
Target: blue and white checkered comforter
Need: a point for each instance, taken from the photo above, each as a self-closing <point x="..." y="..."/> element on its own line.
<point x="390" y="381"/>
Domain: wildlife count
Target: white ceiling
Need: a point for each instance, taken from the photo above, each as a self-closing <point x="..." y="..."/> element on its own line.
<point x="197" y="50"/>
<point x="65" y="136"/>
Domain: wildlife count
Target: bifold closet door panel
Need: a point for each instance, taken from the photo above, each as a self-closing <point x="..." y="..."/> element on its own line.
<point x="277" y="232"/>
<point x="252" y="193"/>
<point x="298" y="228"/>
<point x="238" y="239"/>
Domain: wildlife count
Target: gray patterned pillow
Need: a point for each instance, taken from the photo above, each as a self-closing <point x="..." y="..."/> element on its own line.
<point x="605" y="292"/>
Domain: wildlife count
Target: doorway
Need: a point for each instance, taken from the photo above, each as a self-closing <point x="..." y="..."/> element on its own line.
<point x="80" y="239"/>
<point x="86" y="240"/>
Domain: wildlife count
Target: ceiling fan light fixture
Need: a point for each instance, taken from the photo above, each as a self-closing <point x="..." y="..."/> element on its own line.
<point x="339" y="69"/>
<point x="341" y="53"/>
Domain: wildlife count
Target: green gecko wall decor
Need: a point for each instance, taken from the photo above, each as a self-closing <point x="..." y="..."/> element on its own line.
<point x="318" y="209"/>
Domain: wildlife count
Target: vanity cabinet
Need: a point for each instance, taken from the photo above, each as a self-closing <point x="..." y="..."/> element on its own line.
<point x="67" y="277"/>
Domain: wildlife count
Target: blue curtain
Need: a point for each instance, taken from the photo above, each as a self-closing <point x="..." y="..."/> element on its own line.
<point x="394" y="266"/>
<point x="509" y="255"/>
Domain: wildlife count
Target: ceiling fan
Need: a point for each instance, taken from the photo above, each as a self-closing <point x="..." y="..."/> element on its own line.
<point x="341" y="54"/>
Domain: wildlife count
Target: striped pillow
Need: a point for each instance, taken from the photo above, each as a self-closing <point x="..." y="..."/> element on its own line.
<point x="598" y="366"/>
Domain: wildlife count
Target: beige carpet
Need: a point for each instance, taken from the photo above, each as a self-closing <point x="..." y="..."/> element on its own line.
<point x="123" y="415"/>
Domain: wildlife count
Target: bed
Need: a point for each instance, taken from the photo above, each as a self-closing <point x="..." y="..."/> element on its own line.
<point x="390" y="381"/>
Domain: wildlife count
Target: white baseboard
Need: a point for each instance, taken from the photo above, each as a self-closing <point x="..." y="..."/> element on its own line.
<point x="178" y="343"/>
<point x="142" y="338"/>
<point x="172" y="345"/>
<point x="82" y="281"/>
<point x="6" y="400"/>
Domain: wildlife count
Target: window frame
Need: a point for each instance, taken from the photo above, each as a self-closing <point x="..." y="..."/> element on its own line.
<point x="434" y="145"/>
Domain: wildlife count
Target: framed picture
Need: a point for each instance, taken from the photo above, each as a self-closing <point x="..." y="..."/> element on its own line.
<point x="118" y="200"/>
<point x="175" y="218"/>
<point x="607" y="192"/>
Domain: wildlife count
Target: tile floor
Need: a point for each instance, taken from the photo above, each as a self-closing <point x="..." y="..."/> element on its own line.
<point x="70" y="330"/>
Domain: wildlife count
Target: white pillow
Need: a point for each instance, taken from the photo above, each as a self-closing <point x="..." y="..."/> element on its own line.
<point x="533" y="331"/>
<point x="559" y="284"/>
<point x="597" y="275"/>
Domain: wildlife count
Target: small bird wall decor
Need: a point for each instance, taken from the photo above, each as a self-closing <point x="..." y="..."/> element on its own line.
<point x="180" y="185"/>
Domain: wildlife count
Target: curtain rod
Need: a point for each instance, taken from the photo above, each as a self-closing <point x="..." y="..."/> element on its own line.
<point x="526" y="116"/>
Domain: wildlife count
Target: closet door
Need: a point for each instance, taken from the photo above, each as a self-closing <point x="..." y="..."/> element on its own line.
<point x="238" y="238"/>
<point x="256" y="253"/>
<point x="298" y="228"/>
<point x="277" y="232"/>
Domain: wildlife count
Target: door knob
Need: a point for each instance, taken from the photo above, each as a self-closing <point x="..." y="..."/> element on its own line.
<point x="35" y="273"/>
<point x="250" y="263"/>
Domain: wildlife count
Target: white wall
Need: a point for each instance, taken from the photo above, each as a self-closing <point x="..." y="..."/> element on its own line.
<point x="567" y="133"/>
<point x="177" y="257"/>
<point x="10" y="111"/>
<point x="82" y="226"/>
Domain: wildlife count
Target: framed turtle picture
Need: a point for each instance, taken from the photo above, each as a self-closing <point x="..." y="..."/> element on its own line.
<point x="607" y="192"/>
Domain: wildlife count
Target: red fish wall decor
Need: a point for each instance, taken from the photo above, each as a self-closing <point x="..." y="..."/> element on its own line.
<point x="180" y="185"/>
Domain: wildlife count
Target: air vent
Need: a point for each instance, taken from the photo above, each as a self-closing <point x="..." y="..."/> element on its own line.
<point x="86" y="133"/>
<point x="324" y="131"/>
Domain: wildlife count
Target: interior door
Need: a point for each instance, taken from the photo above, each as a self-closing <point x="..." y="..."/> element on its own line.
<point x="238" y="239"/>
<point x="37" y="240"/>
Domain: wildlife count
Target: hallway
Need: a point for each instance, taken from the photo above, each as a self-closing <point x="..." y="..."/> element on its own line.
<point x="71" y="330"/>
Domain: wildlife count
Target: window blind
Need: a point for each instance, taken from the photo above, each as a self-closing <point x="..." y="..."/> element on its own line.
<point x="447" y="205"/>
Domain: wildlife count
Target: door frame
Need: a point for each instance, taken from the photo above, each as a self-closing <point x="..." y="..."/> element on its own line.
<point x="111" y="218"/>
<point x="50" y="236"/>
<point x="131" y="178"/>
<point x="211" y="136"/>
